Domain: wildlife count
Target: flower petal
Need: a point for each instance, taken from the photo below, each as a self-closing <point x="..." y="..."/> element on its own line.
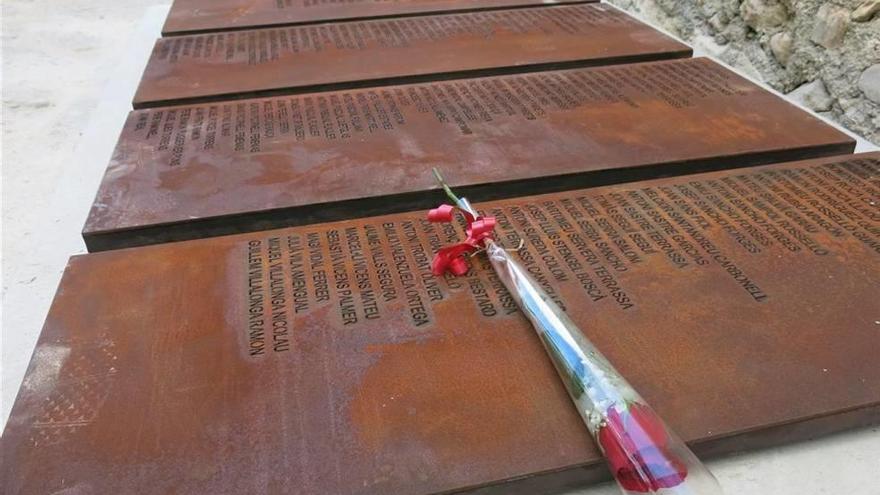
<point x="634" y="443"/>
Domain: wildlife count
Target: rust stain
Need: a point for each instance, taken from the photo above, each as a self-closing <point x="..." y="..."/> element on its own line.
<point x="479" y="43"/>
<point x="433" y="394"/>
<point x="647" y="123"/>
<point x="217" y="15"/>
<point x="158" y="382"/>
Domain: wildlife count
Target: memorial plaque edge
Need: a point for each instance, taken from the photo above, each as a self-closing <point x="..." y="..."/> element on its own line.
<point x="170" y="33"/>
<point x="673" y="54"/>
<point x="239" y="223"/>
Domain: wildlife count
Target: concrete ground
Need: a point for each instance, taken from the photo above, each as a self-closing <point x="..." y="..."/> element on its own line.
<point x="69" y="71"/>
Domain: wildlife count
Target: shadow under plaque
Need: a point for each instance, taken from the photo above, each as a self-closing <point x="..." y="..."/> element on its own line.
<point x="327" y="359"/>
<point x="234" y="65"/>
<point x="192" y="16"/>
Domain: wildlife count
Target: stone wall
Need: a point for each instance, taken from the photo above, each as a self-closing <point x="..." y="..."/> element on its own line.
<point x="824" y="54"/>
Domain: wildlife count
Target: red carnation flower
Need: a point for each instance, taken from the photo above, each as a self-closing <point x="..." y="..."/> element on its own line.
<point x="635" y="445"/>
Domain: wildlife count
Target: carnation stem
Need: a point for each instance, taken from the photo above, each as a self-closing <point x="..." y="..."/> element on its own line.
<point x="447" y="189"/>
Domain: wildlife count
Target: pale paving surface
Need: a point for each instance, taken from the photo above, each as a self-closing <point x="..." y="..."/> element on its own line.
<point x="70" y="68"/>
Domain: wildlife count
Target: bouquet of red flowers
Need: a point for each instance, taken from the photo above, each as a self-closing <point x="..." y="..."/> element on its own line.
<point x="643" y="454"/>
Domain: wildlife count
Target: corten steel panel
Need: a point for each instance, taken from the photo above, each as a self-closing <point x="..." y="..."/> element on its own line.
<point x="190" y="16"/>
<point x="242" y="64"/>
<point x="206" y="170"/>
<point x="327" y="359"/>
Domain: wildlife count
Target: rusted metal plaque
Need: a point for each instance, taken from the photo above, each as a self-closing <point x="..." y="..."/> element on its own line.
<point x="191" y="16"/>
<point x="205" y="170"/>
<point x="327" y="359"/>
<point x="223" y="66"/>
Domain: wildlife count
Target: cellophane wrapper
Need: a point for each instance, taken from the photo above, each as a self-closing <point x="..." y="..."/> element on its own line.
<point x="643" y="454"/>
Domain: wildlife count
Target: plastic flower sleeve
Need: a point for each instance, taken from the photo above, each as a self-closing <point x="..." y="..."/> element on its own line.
<point x="643" y="454"/>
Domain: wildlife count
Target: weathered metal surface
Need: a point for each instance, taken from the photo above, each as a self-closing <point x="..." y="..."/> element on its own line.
<point x="223" y="66"/>
<point x="189" y="16"/>
<point x="326" y="359"/>
<point x="205" y="170"/>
